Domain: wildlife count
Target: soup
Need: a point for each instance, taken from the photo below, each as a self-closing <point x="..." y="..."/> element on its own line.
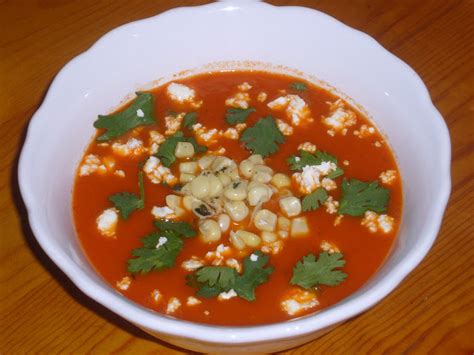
<point x="237" y="198"/>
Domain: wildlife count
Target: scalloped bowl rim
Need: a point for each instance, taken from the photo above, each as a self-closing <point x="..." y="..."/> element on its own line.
<point x="136" y="314"/>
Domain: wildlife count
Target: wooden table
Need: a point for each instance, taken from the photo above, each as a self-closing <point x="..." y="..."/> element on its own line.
<point x="433" y="309"/>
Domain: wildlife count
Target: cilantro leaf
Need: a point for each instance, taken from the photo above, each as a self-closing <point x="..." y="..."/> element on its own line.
<point x="212" y="280"/>
<point x="190" y="119"/>
<point x="299" y="162"/>
<point x="306" y="158"/>
<point x="299" y="86"/>
<point x="315" y="199"/>
<point x="255" y="273"/>
<point x="237" y="115"/>
<point x="149" y="257"/>
<point x="166" y="150"/>
<point x="127" y="202"/>
<point x="310" y="272"/>
<point x="263" y="138"/>
<point x="140" y="113"/>
<point x="359" y="197"/>
<point x="183" y="229"/>
<point x="221" y="276"/>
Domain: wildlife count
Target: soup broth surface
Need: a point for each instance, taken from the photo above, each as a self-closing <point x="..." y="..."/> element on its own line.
<point x="310" y="119"/>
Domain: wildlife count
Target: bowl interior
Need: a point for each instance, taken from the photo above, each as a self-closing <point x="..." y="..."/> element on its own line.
<point x="130" y="57"/>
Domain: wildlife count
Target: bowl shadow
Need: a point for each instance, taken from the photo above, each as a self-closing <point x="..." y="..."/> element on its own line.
<point x="57" y="273"/>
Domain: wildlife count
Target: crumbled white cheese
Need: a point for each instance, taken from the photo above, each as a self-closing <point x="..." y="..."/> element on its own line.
<point x="183" y="94"/>
<point x="298" y="301"/>
<point x="331" y="205"/>
<point x="244" y="86"/>
<point x="193" y="301"/>
<point x="133" y="147"/>
<point x="295" y="107"/>
<point x="119" y="173"/>
<point x="162" y="212"/>
<point x="234" y="263"/>
<point x="388" y="177"/>
<point x="339" y="118"/>
<point x="124" y="283"/>
<point x="231" y="133"/>
<point x="156" y="295"/>
<point x="107" y="222"/>
<point x="329" y="247"/>
<point x="307" y="147"/>
<point x="91" y="164"/>
<point x="385" y="223"/>
<point x="221" y="248"/>
<point x="217" y="257"/>
<point x="173" y="123"/>
<point x="140" y="113"/>
<point x="364" y="131"/>
<point x="253" y="257"/>
<point x="276" y="246"/>
<point x="262" y="97"/>
<point x="173" y="305"/>
<point x="161" y="241"/>
<point x="192" y="264"/>
<point x="284" y="127"/>
<point x="223" y="296"/>
<point x="158" y="173"/>
<point x="374" y="222"/>
<point x="239" y="100"/>
<point x="309" y="179"/>
<point x="156" y="138"/>
<point x="206" y="136"/>
<point x="328" y="184"/>
<point x="240" y="127"/>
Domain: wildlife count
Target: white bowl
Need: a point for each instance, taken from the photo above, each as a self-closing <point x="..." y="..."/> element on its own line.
<point x="129" y="57"/>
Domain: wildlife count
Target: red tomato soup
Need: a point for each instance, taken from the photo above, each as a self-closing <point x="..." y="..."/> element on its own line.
<point x="237" y="198"/>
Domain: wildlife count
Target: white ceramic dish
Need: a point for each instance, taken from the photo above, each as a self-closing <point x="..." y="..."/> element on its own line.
<point x="131" y="56"/>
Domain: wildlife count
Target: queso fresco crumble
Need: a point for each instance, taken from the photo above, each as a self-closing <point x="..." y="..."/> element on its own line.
<point x="237" y="198"/>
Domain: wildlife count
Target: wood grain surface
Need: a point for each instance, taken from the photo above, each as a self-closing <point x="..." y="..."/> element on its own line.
<point x="432" y="311"/>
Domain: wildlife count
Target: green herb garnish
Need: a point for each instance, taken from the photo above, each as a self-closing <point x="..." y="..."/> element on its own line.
<point x="237" y="115"/>
<point x="299" y="86"/>
<point x="212" y="280"/>
<point x="166" y="150"/>
<point x="189" y="119"/>
<point x="160" y="249"/>
<point x="152" y="258"/>
<point x="310" y="272"/>
<point x="263" y="138"/>
<point x="127" y="202"/>
<point x="314" y="199"/>
<point x="182" y="229"/>
<point x="140" y="113"/>
<point x="305" y="158"/>
<point x="359" y="197"/>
